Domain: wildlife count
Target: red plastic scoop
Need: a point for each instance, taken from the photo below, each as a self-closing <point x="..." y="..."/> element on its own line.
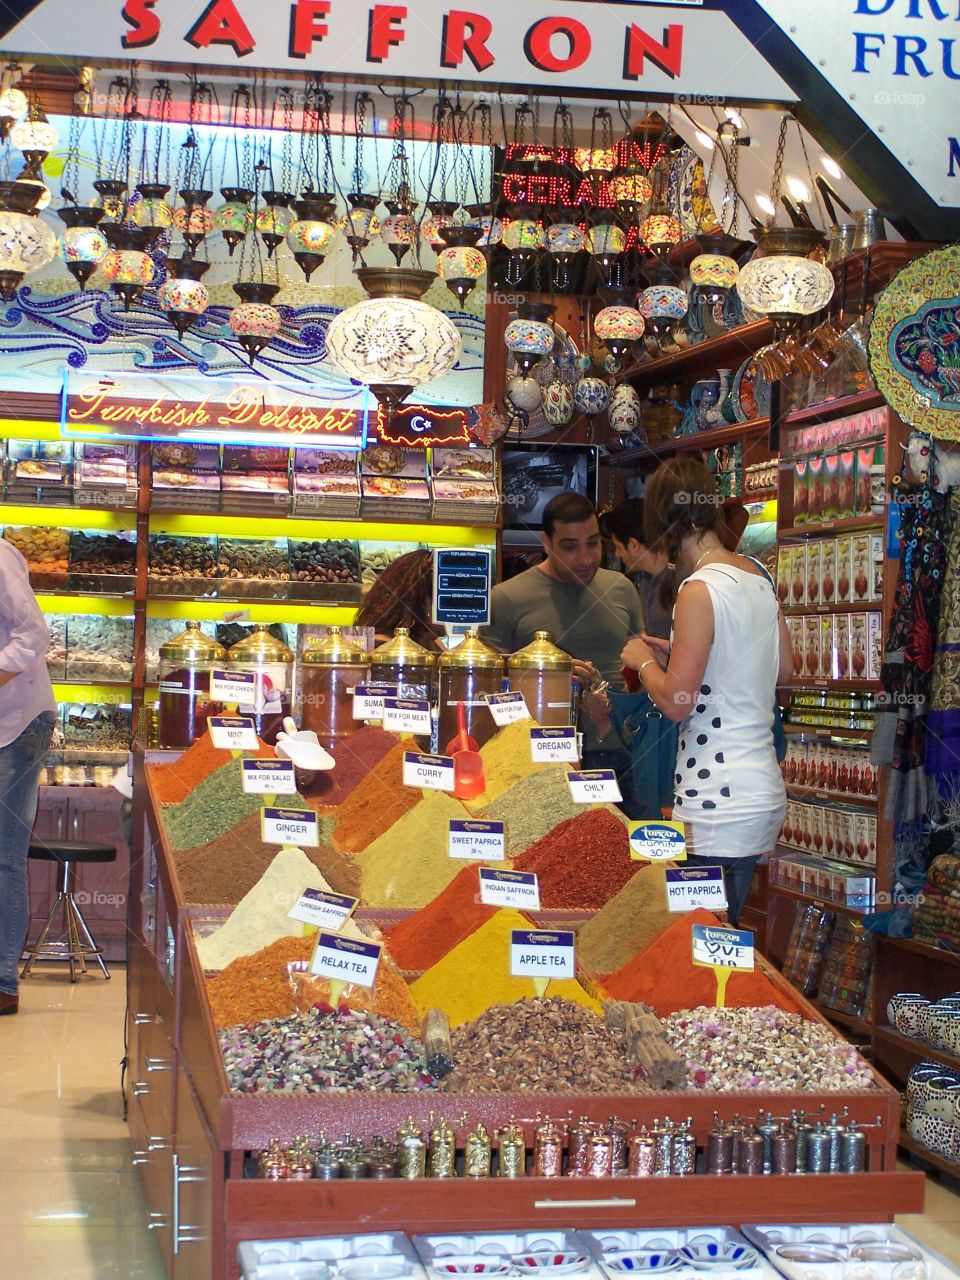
<point x="468" y="777"/>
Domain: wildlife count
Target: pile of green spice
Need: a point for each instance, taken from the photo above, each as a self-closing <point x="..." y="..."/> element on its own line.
<point x="214" y="806"/>
<point x="533" y="807"/>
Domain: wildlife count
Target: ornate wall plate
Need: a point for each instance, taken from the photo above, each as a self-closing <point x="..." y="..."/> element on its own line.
<point x="914" y="343"/>
<point x="750" y="395"/>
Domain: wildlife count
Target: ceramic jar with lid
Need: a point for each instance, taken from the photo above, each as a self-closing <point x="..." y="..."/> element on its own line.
<point x="331" y="668"/>
<point x="271" y="662"/>
<point x="544" y="675"/>
<point x="467" y="674"/>
<point x="184" y="678"/>
<point x="403" y="662"/>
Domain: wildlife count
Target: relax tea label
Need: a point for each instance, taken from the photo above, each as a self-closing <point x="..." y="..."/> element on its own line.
<point x="433" y="772"/>
<point x="368" y="699"/>
<point x="327" y="910"/>
<point x="268" y="778"/>
<point x="345" y="959"/>
<point x="406" y="715"/>
<point x="509" y="889"/>
<point x="507" y="708"/>
<point x="541" y="955"/>
<point x="717" y="948"/>
<point x="234" y="687"/>
<point x="550" y="746"/>
<point x="695" y="887"/>
<point x="479" y="841"/>
<point x="289" y="826"/>
<point x="594" y="786"/>
<point x="233" y="733"/>
<point x="657" y="841"/>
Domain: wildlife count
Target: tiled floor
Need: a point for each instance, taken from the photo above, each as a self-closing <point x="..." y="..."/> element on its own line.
<point x="70" y="1201"/>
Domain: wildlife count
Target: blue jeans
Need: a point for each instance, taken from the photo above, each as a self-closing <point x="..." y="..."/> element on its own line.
<point x="20" y="765"/>
<point x="737" y="875"/>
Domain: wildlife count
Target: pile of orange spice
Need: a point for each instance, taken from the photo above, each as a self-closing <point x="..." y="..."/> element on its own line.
<point x="375" y="805"/>
<point x="418" y="942"/>
<point x="173" y="782"/>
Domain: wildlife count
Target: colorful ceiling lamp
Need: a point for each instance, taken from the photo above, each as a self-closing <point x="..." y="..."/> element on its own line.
<point x="565" y="239"/>
<point x="660" y="230"/>
<point x="182" y="295"/>
<point x="606" y="241"/>
<point x="393" y="342"/>
<point x="111" y="198"/>
<point x="275" y="219"/>
<point x="713" y="273"/>
<point x="234" y="218"/>
<point x="619" y="325"/>
<point x="398" y="231"/>
<point x="255" y="323"/>
<point x="632" y="191"/>
<point x="461" y="264"/>
<point x="82" y="245"/>
<point x="530" y="337"/>
<point x="26" y="242"/>
<point x="523" y="238"/>
<point x="193" y="219"/>
<point x="150" y="211"/>
<point x="309" y="238"/>
<point x="491" y="228"/>
<point x="36" y="139"/>
<point x="13" y="107"/>
<point x="591" y="395"/>
<point x="663" y="304"/>
<point x="785" y="285"/>
<point x="360" y="224"/>
<point x="127" y="266"/>
<point x="595" y="161"/>
<point x="441" y="215"/>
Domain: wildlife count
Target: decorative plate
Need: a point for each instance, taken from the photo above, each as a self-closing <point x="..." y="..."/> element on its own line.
<point x="563" y="365"/>
<point x="750" y="396"/>
<point x="914" y="344"/>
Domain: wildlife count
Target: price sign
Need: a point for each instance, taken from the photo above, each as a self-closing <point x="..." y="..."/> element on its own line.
<point x="695" y="887"/>
<point x="268" y="778"/>
<point x="480" y="841"/>
<point x="234" y="687"/>
<point x="289" y="826"/>
<point x="550" y="746"/>
<point x="327" y="910"/>
<point x="345" y="959"/>
<point x="592" y="786"/>
<point x="509" y="889"/>
<point x="406" y="715"/>
<point x="432" y="772"/>
<point x="507" y="708"/>
<point x="233" y="733"/>
<point x="657" y="842"/>
<point x="715" y="948"/>
<point x="541" y="955"/>
<point x="368" y="700"/>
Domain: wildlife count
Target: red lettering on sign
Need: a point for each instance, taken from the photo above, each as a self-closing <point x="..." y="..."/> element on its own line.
<point x="306" y="26"/>
<point x="667" y="55"/>
<point x="456" y="42"/>
<point x="146" y="25"/>
<point x="537" y="44"/>
<point x="220" y="23"/>
<point x="382" y="31"/>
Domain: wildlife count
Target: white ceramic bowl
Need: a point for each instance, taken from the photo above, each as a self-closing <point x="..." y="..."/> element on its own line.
<point x="728" y="1253"/>
<point x="648" y="1261"/>
<point x="552" y="1261"/>
<point x="471" y="1264"/>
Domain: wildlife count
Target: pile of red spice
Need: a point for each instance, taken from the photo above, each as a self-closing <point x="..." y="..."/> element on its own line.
<point x="582" y="862"/>
<point x="417" y="943"/>
<point x="173" y="782"/>
<point x="356" y="754"/>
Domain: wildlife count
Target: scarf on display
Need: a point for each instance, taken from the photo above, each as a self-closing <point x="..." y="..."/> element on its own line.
<point x="943" y="718"/>
<point x="899" y="738"/>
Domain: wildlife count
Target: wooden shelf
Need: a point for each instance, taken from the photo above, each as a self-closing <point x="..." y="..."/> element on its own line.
<point x="819" y="793"/>
<point x="851" y="524"/>
<point x="827" y="410"/>
<point x="821" y="731"/>
<point x="886" y="259"/>
<point x="848" y="1020"/>
<point x="861" y="606"/>
<point x="808" y="898"/>
<point x="931" y="1157"/>
<point x="920" y="1047"/>
<point x="845" y="686"/>
<point x="921" y="948"/>
<point x="731" y="434"/>
<point x="727" y="349"/>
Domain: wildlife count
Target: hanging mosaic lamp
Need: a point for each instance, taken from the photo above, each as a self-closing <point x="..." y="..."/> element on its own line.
<point x="393" y="342"/>
<point x="663" y="304"/>
<point x="255" y="323"/>
<point x="13" y="107"/>
<point x="713" y="273"/>
<point x="565" y="239"/>
<point x="606" y="241"/>
<point x="631" y="191"/>
<point x="36" y="139"/>
<point x="461" y="264"/>
<point x="126" y="265"/>
<point x="182" y="295"/>
<point x="591" y="395"/>
<point x="82" y="245"/>
<point x="619" y="325"/>
<point x="151" y="212"/>
<point x="785" y="285"/>
<point x="309" y="238"/>
<point x="274" y="220"/>
<point x="530" y="337"/>
<point x="398" y="231"/>
<point x="595" y="161"/>
<point x="26" y="242"/>
<point x="523" y="238"/>
<point x="234" y="218"/>
<point x="441" y="214"/>
<point x="660" y="229"/>
<point x="491" y="228"/>
<point x="193" y="219"/>
<point x="360" y="224"/>
<point x="111" y="198"/>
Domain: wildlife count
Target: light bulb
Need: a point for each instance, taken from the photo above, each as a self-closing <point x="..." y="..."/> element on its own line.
<point x="765" y="204"/>
<point x="703" y="138"/>
<point x="734" y="116"/>
<point x="798" y="188"/>
<point x="832" y="167"/>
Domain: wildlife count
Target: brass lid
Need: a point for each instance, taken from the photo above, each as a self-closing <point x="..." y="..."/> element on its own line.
<point x="540" y="655"/>
<point x="333" y="648"/>
<point x="401" y="651"/>
<point x="259" y="646"/>
<point x="471" y="652"/>
<point x="192" y="646"/>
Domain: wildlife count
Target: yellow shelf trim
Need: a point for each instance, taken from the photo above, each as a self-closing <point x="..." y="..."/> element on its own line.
<point x="256" y="611"/>
<point x="68" y="517"/>
<point x="103" y="605"/>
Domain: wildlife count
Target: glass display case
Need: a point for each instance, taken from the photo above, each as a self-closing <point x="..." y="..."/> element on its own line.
<point x="185" y="566"/>
<point x="103" y="563"/>
<point x="99" y="648"/>
<point x="47" y="553"/>
<point x="325" y="570"/>
<point x="253" y="568"/>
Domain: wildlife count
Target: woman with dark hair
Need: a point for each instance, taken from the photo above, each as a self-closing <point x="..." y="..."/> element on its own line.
<point x="730" y="649"/>
<point x="402" y="596"/>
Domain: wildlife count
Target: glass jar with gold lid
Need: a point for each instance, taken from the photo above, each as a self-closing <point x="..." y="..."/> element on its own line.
<point x="183" y="672"/>
<point x="272" y="663"/>
<point x="329" y="670"/>
<point x="467" y="674"/>
<point x="403" y="662"/>
<point x="544" y="675"/>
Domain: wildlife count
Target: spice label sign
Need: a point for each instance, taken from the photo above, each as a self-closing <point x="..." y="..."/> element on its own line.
<point x="433" y="772"/>
<point x="509" y="889"/>
<point x="480" y="841"/>
<point x="234" y="687"/>
<point x="268" y="778"/>
<point x="715" y="948"/>
<point x="345" y="960"/>
<point x="541" y="955"/>
<point x="233" y="733"/>
<point x="695" y="887"/>
<point x="657" y="842"/>
<point x="507" y="708"/>
<point x="406" y="715"/>
<point x="368" y="700"/>
<point x="327" y="910"/>
<point x="591" y="786"/>
<point x="548" y="746"/>
<point x="289" y="826"/>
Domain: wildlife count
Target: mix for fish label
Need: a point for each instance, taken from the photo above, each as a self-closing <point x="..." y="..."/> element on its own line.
<point x="507" y="708"/>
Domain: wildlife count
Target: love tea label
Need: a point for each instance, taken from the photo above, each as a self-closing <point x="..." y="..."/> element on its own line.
<point x="507" y="708"/>
<point x="289" y="826"/>
<point x="433" y="772"/>
<point x="715" y="948"/>
<point x="654" y="841"/>
<point x="233" y="733"/>
<point x="550" y="746"/>
<point x="509" y="889"/>
<point x="541" y="955"/>
<point x="695" y="887"/>
<point x="479" y="841"/>
<point x="345" y="960"/>
<point x="327" y="910"/>
<point x="406" y="715"/>
<point x="592" y="786"/>
<point x="368" y="700"/>
<point x="233" y="687"/>
<point x="268" y="778"/>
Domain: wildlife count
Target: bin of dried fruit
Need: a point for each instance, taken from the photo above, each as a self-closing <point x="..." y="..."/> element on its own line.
<point x="99" y="648"/>
<point x="254" y="567"/>
<point x="182" y="566"/>
<point x="325" y="570"/>
<point x="47" y="553"/>
<point x="103" y="562"/>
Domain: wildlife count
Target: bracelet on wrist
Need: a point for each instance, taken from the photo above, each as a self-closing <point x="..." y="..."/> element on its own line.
<point x="649" y="662"/>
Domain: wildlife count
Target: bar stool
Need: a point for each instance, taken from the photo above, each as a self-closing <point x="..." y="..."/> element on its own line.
<point x="76" y="942"/>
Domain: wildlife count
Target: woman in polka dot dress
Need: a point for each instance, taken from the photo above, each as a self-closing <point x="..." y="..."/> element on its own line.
<point x="730" y="649"/>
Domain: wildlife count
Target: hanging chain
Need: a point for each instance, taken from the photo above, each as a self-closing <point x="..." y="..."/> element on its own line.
<point x="481" y="132"/>
<point x="360" y="104"/>
<point x="778" y="168"/>
<point x="309" y="138"/>
<point x="112" y="140"/>
<point x="814" y="189"/>
<point x="733" y="176"/>
<point x="326" y="103"/>
<point x="461" y="166"/>
<point x="71" y="166"/>
<point x="397" y="183"/>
